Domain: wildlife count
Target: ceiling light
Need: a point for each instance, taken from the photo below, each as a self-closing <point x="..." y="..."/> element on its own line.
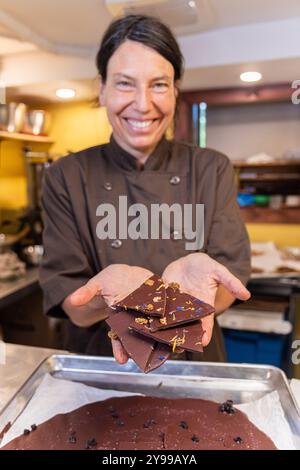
<point x="65" y="93"/>
<point x="192" y="4"/>
<point x="250" y="76"/>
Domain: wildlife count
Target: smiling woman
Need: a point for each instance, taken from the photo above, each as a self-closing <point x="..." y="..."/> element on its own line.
<point x="140" y="67"/>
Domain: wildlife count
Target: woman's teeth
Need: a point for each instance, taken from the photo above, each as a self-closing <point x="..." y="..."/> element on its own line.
<point x="140" y="124"/>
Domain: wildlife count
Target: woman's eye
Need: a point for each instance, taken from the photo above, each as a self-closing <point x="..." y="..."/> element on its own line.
<point x="124" y="84"/>
<point x="161" y="86"/>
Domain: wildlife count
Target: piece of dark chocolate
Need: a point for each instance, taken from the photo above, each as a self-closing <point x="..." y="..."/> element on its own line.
<point x="149" y="298"/>
<point x="187" y="337"/>
<point x="180" y="308"/>
<point x="145" y="352"/>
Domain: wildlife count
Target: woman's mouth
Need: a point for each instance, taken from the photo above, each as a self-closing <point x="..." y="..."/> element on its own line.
<point x="139" y="125"/>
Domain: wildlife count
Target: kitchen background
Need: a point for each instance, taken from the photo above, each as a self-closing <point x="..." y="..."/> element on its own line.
<point x="49" y="45"/>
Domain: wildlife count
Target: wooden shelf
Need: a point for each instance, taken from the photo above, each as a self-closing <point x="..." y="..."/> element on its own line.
<point x="267" y="177"/>
<point x="275" y="163"/>
<point x="25" y="137"/>
<point x="266" y="215"/>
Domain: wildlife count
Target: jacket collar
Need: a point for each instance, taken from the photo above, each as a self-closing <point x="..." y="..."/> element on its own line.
<point x="126" y="161"/>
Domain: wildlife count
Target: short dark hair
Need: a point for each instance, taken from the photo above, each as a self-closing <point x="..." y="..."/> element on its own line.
<point x="147" y="30"/>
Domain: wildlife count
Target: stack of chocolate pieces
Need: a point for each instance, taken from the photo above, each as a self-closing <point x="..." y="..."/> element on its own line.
<point x="156" y="320"/>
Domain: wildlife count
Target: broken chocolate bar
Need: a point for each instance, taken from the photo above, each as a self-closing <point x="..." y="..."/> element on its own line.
<point x="180" y="308"/>
<point x="146" y="352"/>
<point x="149" y="298"/>
<point x="156" y="320"/>
<point x="187" y="337"/>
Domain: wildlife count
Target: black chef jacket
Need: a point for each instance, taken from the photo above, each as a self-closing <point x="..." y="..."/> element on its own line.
<point x="74" y="186"/>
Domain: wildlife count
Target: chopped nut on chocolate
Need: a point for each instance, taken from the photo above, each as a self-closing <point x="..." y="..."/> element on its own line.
<point x="141" y="321"/>
<point x="174" y="285"/>
<point x="112" y="335"/>
<point x="149" y="307"/>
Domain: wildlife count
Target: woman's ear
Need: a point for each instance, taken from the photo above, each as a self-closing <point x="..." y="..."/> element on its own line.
<point x="102" y="88"/>
<point x="176" y="88"/>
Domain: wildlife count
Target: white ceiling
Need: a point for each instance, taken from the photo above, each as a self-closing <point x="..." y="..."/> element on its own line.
<point x="49" y="43"/>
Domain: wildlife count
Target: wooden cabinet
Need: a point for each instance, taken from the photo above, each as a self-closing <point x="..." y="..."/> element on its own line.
<point x="280" y="177"/>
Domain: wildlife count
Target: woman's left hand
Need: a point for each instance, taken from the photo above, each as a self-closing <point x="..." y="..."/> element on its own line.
<point x="199" y="275"/>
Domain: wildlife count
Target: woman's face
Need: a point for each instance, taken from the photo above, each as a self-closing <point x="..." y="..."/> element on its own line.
<point x="140" y="97"/>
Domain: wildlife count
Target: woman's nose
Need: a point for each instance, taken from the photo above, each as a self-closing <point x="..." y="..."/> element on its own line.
<point x="143" y="100"/>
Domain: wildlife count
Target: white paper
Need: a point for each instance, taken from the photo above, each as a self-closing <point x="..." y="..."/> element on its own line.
<point x="54" y="396"/>
<point x="268" y="416"/>
<point x="295" y="386"/>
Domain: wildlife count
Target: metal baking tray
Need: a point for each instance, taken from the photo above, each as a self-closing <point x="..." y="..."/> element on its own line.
<point x="214" y="381"/>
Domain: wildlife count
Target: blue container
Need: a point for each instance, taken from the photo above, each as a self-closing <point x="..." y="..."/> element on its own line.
<point x="253" y="347"/>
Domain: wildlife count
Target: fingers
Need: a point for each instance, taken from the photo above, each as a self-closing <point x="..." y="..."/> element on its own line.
<point x="207" y="325"/>
<point x="119" y="352"/>
<point x="85" y="294"/>
<point x="232" y="283"/>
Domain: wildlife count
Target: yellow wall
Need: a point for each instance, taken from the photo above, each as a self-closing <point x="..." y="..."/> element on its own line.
<point x="13" y="191"/>
<point x="77" y="126"/>
<point x="281" y="234"/>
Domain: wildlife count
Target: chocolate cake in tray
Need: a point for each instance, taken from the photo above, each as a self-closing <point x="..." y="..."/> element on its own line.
<point x="147" y="423"/>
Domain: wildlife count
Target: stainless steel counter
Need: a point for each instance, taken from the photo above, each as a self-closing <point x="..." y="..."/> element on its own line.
<point x="11" y="291"/>
<point x="17" y="362"/>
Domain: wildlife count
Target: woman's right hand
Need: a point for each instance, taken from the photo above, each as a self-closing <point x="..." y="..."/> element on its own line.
<point x="85" y="305"/>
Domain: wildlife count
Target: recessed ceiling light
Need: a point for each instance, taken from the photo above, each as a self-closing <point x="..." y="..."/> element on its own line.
<point x="65" y="93"/>
<point x="250" y="76"/>
<point x="192" y="4"/>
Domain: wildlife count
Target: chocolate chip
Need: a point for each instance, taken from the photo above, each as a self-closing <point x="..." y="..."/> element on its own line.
<point x="149" y="423"/>
<point x="195" y="438"/>
<point x="183" y="425"/>
<point x="238" y="440"/>
<point x="227" y="407"/>
<point x="26" y="432"/>
<point x="90" y="443"/>
<point x="72" y="438"/>
<point x="33" y="427"/>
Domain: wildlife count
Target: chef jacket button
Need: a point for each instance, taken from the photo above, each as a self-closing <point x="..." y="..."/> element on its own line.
<point x="116" y="244"/>
<point x="176" y="235"/>
<point x="108" y="186"/>
<point x="175" y="180"/>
